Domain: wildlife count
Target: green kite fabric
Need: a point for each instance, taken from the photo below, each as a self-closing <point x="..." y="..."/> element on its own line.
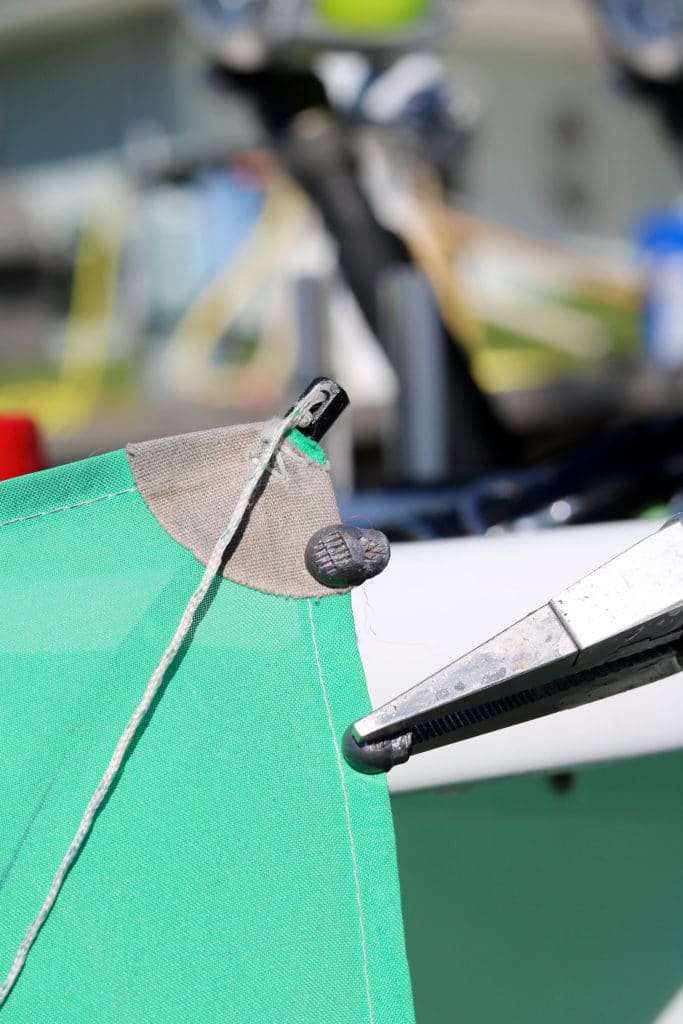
<point x="240" y="871"/>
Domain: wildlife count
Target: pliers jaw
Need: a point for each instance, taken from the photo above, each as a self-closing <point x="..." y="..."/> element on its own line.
<point x="619" y="627"/>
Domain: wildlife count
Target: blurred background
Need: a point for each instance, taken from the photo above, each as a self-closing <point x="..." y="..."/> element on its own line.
<point x="464" y="212"/>
<point x="468" y="214"/>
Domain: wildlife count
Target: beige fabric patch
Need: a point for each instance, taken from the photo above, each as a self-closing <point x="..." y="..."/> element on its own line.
<point x="191" y="483"/>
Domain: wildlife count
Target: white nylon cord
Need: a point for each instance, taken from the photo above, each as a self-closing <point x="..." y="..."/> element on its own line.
<point x="299" y="416"/>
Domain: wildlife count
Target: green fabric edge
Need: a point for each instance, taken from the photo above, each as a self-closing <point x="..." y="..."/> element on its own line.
<point x="308" y="447"/>
<point x="65" y="487"/>
<point x="93" y="479"/>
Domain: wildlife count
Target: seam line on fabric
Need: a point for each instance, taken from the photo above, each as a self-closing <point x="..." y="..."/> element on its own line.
<point x="347" y="811"/>
<point x="67" y="508"/>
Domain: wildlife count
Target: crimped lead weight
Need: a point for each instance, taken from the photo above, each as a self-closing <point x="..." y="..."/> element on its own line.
<point x="342" y="556"/>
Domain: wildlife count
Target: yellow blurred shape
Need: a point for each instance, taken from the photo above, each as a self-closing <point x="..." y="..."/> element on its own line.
<point x="192" y="370"/>
<point x="375" y="15"/>
<point x="63" y="404"/>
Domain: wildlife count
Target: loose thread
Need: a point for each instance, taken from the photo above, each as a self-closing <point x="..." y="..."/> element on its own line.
<point x="299" y="416"/>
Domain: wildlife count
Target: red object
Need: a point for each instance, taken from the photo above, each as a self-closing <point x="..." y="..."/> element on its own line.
<point x="20" y="448"/>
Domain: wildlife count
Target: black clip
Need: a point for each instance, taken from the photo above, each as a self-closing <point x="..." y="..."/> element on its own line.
<point x="327" y="411"/>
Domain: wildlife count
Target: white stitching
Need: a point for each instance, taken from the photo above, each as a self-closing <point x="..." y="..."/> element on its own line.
<point x="67" y="508"/>
<point x="340" y="765"/>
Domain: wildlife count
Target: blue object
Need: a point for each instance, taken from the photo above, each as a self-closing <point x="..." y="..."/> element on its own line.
<point x="660" y="242"/>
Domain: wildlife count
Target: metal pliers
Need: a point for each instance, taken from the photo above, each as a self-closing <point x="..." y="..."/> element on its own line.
<point x="617" y="628"/>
